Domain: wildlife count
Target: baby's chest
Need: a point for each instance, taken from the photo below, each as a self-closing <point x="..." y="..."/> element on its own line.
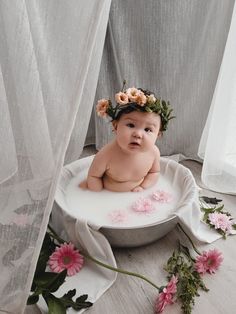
<point x="129" y="169"/>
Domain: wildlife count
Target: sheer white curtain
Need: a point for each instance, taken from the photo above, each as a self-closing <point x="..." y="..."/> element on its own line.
<point x="218" y="142"/>
<point x="50" y="56"/>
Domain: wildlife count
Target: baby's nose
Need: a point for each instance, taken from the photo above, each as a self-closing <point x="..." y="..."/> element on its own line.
<point x="137" y="134"/>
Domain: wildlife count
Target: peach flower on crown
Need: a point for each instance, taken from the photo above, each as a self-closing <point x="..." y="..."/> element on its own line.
<point x="121" y="98"/>
<point x="102" y="106"/>
<point x="136" y="95"/>
<point x="132" y="93"/>
<point x="141" y="99"/>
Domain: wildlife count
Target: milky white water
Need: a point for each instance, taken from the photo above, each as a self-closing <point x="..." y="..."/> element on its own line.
<point x="96" y="207"/>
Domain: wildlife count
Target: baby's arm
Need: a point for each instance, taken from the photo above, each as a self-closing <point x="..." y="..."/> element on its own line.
<point x="152" y="176"/>
<point x="97" y="170"/>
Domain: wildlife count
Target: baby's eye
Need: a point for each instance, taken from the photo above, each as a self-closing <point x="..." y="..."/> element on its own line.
<point x="148" y="130"/>
<point x="130" y="125"/>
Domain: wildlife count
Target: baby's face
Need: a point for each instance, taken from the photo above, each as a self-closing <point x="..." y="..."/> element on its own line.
<point x="137" y="131"/>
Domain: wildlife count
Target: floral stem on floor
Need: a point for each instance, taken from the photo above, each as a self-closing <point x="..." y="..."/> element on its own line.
<point x="118" y="270"/>
<point x="184" y="273"/>
<point x="122" y="271"/>
<point x="190" y="240"/>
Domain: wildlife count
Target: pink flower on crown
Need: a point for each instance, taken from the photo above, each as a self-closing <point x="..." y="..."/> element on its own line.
<point x="143" y="205"/>
<point x="118" y="216"/>
<point x="167" y="295"/>
<point x="101" y="107"/>
<point x="66" y="257"/>
<point x="221" y="221"/>
<point x="162" y="196"/>
<point x="121" y="98"/>
<point x="208" y="261"/>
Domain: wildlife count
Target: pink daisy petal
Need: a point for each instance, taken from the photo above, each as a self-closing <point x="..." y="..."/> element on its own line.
<point x="66" y="257"/>
<point x="172" y="285"/>
<point x="162" y="301"/>
<point x="208" y="261"/>
<point x="167" y="295"/>
<point x="118" y="216"/>
<point x="143" y="205"/>
<point x="162" y="196"/>
<point x="221" y="221"/>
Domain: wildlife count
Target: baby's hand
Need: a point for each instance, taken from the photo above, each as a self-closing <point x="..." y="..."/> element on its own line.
<point x="138" y="189"/>
<point x="83" y="185"/>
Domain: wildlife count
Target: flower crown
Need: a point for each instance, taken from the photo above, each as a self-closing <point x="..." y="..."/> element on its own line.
<point x="135" y="99"/>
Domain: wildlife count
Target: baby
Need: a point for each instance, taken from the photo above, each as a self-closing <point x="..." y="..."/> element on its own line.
<point x="131" y="161"/>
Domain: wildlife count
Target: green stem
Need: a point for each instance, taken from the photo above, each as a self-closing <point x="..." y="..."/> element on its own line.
<point x="118" y="270"/>
<point x="55" y="235"/>
<point x="203" y="204"/>
<point x="194" y="247"/>
<point x="123" y="87"/>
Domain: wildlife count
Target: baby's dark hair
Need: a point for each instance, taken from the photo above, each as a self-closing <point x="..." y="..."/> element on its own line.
<point x="125" y="111"/>
<point x="131" y="108"/>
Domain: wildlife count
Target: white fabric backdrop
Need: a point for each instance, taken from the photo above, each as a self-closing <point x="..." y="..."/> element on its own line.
<point x="174" y="48"/>
<point x="50" y="56"/>
<point x="218" y="142"/>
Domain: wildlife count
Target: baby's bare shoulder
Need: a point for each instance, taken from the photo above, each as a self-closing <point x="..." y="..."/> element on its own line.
<point x="156" y="160"/>
<point x="106" y="150"/>
<point x="104" y="154"/>
<point x="156" y="151"/>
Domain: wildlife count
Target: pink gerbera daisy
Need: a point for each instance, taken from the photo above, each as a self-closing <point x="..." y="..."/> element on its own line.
<point x="66" y="257"/>
<point x="162" y="196"/>
<point x="143" y="205"/>
<point x="208" y="261"/>
<point x="167" y="295"/>
<point x="221" y="221"/>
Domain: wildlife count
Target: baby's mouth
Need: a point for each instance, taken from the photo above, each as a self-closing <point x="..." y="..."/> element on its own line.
<point x="135" y="144"/>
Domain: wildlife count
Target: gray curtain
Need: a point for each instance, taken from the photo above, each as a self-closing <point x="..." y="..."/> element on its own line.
<point x="174" y="48"/>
